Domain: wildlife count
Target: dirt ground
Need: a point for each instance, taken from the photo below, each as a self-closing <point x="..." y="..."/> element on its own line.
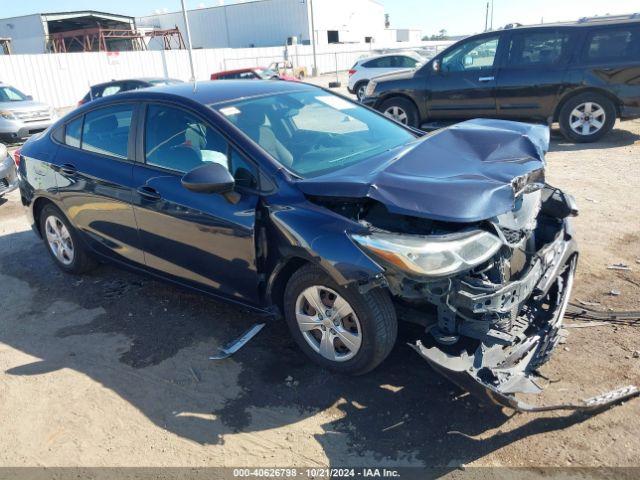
<point x="111" y="369"/>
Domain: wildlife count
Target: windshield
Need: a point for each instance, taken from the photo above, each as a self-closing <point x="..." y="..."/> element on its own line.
<point x="313" y="133"/>
<point x="10" y="94"/>
<point x="266" y="73"/>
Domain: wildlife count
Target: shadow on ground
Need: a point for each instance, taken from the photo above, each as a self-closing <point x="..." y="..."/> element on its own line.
<point x="401" y="410"/>
<point x="618" y="137"/>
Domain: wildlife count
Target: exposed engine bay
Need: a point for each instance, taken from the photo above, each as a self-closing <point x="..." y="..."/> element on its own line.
<point x="491" y="293"/>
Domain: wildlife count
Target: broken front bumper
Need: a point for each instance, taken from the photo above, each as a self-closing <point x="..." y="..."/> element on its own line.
<point x="499" y="363"/>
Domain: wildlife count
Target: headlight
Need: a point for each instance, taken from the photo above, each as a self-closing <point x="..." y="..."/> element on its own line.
<point x="371" y="88"/>
<point x="432" y="256"/>
<point x="7" y="115"/>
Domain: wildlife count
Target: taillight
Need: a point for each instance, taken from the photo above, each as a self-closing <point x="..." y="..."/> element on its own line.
<point x="16" y="156"/>
<point x="81" y="102"/>
<point x="351" y="72"/>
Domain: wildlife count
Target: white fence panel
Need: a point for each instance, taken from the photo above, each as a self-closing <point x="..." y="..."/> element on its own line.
<point x="63" y="79"/>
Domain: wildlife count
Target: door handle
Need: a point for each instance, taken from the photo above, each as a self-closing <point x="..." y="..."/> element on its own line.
<point x="148" y="193"/>
<point x="68" y="169"/>
<point x="486" y="79"/>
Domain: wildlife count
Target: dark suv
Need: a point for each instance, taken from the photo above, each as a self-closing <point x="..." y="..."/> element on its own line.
<point x="583" y="75"/>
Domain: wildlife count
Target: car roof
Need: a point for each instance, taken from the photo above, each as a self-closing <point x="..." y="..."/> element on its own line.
<point x="139" y="79"/>
<point x="211" y="91"/>
<point x="238" y="70"/>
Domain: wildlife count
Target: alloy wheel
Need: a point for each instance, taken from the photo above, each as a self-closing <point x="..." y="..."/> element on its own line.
<point x="362" y="89"/>
<point x="328" y="323"/>
<point x="398" y="114"/>
<point x="587" y="118"/>
<point x="59" y="240"/>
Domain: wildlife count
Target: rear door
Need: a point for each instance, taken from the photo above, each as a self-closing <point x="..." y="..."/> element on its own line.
<point x="95" y="170"/>
<point x="610" y="59"/>
<point x="465" y="85"/>
<point x="532" y="78"/>
<point x="204" y="240"/>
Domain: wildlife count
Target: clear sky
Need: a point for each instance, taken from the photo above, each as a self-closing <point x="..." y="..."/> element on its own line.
<point x="455" y="16"/>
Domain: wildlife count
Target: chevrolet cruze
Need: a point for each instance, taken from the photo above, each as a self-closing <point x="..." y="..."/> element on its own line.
<point x="301" y="204"/>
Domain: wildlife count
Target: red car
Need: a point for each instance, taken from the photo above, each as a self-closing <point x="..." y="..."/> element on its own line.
<point x="254" y="73"/>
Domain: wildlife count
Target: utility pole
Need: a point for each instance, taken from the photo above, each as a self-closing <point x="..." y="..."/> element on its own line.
<point x="188" y="32"/>
<point x="491" y="27"/>
<point x="486" y="18"/>
<point x="313" y="40"/>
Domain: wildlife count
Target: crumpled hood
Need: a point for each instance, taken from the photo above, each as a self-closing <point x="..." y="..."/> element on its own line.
<point x="463" y="173"/>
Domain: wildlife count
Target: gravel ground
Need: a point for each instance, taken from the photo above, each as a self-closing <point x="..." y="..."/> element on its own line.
<point x="111" y="369"/>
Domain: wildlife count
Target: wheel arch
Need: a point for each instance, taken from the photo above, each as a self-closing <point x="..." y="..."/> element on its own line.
<point x="38" y="205"/>
<point x="617" y="103"/>
<point x="279" y="277"/>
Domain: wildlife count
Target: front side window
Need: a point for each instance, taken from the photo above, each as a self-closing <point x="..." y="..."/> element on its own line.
<point x="472" y="55"/>
<point x="406" y="62"/>
<point x="10" y="94"/>
<point x="613" y="44"/>
<point x="538" y="48"/>
<point x="312" y="133"/>
<point x="177" y="140"/>
<point x="106" y="130"/>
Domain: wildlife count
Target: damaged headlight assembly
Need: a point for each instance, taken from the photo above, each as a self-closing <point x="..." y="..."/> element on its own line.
<point x="434" y="255"/>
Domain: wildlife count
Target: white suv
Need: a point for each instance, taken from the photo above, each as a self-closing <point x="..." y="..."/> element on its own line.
<point x="367" y="68"/>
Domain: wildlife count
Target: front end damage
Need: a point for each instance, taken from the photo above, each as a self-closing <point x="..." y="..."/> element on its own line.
<point x="492" y="323"/>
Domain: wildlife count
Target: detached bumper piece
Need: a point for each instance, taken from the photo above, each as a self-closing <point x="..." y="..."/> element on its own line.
<point x="494" y="364"/>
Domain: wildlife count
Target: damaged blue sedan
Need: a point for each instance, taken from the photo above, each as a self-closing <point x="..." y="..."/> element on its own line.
<point x="299" y="203"/>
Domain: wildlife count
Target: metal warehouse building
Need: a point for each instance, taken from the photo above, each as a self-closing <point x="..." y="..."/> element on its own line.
<point x="70" y="32"/>
<point x="265" y="23"/>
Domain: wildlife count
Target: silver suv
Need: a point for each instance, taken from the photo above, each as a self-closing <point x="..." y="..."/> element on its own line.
<point x="20" y="115"/>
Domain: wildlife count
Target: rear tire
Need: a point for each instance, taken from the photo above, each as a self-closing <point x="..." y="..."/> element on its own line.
<point x="366" y="321"/>
<point x="63" y="243"/>
<point x="587" y="117"/>
<point x="401" y="110"/>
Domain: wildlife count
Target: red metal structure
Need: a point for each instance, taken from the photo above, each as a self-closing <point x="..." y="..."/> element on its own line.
<point x="171" y="38"/>
<point x="96" y="39"/>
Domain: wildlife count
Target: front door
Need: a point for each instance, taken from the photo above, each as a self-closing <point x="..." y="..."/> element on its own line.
<point x="465" y="85"/>
<point x="533" y="75"/>
<point x="200" y="239"/>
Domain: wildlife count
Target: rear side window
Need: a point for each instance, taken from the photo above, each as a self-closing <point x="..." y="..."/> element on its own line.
<point x="111" y="90"/>
<point x="106" y="130"/>
<point x="537" y="48"/>
<point x="384" y="62"/>
<point x="614" y="44"/>
<point x="72" y="133"/>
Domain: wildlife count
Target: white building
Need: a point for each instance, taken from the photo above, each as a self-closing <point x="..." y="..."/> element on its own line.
<point x="264" y="23"/>
<point x="71" y="31"/>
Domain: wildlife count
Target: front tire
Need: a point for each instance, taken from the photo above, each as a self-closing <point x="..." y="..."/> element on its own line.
<point x="339" y="328"/>
<point x="360" y="89"/>
<point x="401" y="110"/>
<point x="587" y="117"/>
<point x="63" y="243"/>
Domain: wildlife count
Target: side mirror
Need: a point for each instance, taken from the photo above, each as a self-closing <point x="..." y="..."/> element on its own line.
<point x="435" y="65"/>
<point x="209" y="178"/>
<point x="29" y="97"/>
